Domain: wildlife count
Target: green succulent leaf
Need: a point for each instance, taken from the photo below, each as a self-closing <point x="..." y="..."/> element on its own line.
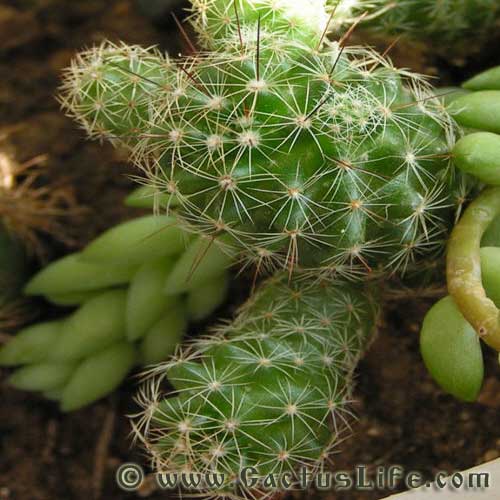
<point x="97" y="376"/>
<point x="478" y="154"/>
<point x="202" y="261"/>
<point x="451" y="350"/>
<point x="164" y="337"/>
<point x="150" y="197"/>
<point x="146" y="298"/>
<point x="41" y="377"/>
<point x="478" y="110"/>
<point x="137" y="241"/>
<point x="490" y="272"/>
<point x="203" y="300"/>
<point x="31" y="345"/>
<point x="97" y="324"/>
<point x="71" y="274"/>
<point x="487" y="80"/>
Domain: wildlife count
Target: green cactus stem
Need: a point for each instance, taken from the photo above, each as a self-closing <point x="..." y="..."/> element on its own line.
<point x="316" y="157"/>
<point x="446" y="23"/>
<point x="271" y="390"/>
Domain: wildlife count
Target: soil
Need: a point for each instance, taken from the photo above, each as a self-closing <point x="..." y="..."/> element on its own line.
<point x="403" y="417"/>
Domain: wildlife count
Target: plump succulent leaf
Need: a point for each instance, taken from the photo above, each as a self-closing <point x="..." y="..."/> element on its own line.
<point x="451" y="350"/>
<point x="137" y="241"/>
<point x="99" y="323"/>
<point x="146" y="300"/>
<point x="42" y="376"/>
<point x="97" y="376"/>
<point x="31" y="345"/>
<point x="478" y="154"/>
<point x="71" y="275"/>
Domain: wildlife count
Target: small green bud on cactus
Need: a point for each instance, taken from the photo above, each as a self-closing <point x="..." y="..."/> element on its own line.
<point x="127" y="313"/>
<point x="270" y="390"/>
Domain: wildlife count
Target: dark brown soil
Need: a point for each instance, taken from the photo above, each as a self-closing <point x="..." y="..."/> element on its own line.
<point x="45" y="455"/>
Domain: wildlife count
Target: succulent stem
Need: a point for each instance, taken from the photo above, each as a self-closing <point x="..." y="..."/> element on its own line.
<point x="464" y="267"/>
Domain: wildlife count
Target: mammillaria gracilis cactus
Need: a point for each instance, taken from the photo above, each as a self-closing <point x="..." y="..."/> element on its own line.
<point x="270" y="391"/>
<point x="300" y="152"/>
<point x="446" y="23"/>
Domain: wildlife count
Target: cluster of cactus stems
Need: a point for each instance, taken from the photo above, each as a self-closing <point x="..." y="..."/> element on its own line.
<point x="302" y="153"/>
<point x="135" y="289"/>
<point x="297" y="153"/>
<point x="452" y="328"/>
<point x="271" y="390"/>
<point x="447" y="23"/>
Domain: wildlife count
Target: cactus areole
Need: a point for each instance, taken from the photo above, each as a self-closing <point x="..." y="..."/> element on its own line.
<point x="300" y="152"/>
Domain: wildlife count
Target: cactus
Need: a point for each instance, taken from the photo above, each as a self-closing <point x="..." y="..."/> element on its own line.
<point x="271" y="390"/>
<point x="446" y="23"/>
<point x="300" y="153"/>
<point x="127" y="313"/>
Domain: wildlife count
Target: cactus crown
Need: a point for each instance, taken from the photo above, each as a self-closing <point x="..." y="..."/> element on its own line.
<point x="265" y="391"/>
<point x="303" y="152"/>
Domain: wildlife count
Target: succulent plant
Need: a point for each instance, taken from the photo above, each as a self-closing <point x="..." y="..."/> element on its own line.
<point x="134" y="288"/>
<point x="301" y="153"/>
<point x="453" y="327"/>
<point x="270" y="391"/>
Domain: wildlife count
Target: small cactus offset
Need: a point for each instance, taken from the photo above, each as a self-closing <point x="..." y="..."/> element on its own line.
<point x="271" y="390"/>
<point x="135" y="288"/>
<point x="449" y="23"/>
<point x="299" y="152"/>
